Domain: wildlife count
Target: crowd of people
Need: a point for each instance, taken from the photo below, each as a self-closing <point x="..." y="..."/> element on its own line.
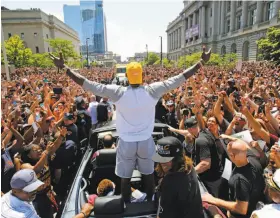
<point x="211" y="113"/>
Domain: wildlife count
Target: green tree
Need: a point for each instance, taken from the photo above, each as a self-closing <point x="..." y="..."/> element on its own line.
<point x="16" y="51"/>
<point x="41" y="60"/>
<point x="152" y="58"/>
<point x="64" y="46"/>
<point x="269" y="47"/>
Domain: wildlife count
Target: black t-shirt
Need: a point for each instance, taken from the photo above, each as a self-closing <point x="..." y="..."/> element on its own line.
<point x="102" y="112"/>
<point x="74" y="133"/>
<point x="180" y="196"/>
<point x="160" y="111"/>
<point x="7" y="169"/>
<point x="205" y="147"/>
<point x="247" y="184"/>
<point x="171" y="119"/>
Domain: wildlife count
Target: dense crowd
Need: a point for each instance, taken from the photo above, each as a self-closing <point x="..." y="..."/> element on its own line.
<point x="45" y="116"/>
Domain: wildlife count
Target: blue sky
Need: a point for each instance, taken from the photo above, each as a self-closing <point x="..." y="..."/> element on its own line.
<point x="131" y="24"/>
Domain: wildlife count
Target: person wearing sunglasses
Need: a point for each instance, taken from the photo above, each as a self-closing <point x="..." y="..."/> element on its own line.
<point x="18" y="202"/>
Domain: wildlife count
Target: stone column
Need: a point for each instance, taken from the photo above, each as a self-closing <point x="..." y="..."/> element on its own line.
<point x="244" y="14"/>
<point x="177" y="39"/>
<point x="199" y="21"/>
<point x="194" y="22"/>
<point x="232" y="15"/>
<point x="215" y="15"/>
<point x="203" y="17"/>
<point x="259" y="17"/>
<point x="277" y="8"/>
<point x="222" y="20"/>
<point x="189" y="26"/>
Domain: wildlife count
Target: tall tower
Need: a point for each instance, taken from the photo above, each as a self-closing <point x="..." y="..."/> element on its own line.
<point x="93" y="28"/>
<point x="72" y="18"/>
<point x="105" y="34"/>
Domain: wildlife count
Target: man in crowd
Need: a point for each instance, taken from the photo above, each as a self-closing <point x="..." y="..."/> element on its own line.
<point x="135" y="118"/>
<point x="171" y="117"/>
<point x="18" y="202"/>
<point x="205" y="155"/>
<point x="104" y="111"/>
<point x="246" y="183"/>
<point x="92" y="109"/>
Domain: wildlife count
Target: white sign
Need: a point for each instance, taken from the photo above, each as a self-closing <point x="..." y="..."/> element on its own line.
<point x="227" y="170"/>
<point x="238" y="65"/>
<point x="245" y="136"/>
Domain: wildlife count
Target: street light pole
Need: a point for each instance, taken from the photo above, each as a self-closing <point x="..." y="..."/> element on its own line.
<point x="161" y="51"/>
<point x="5" y="55"/>
<point x="147" y="52"/>
<point x="87" y="49"/>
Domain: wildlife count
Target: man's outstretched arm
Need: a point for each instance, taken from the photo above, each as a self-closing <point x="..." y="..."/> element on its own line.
<point x="76" y="77"/>
<point x="111" y="91"/>
<point x="159" y="88"/>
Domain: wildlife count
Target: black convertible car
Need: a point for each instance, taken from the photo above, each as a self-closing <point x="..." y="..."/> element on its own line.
<point x="88" y="177"/>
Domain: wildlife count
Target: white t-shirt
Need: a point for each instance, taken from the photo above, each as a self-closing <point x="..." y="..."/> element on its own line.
<point x="12" y="207"/>
<point x="268" y="211"/>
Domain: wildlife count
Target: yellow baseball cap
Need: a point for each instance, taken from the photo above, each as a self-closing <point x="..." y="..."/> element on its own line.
<point x="134" y="73"/>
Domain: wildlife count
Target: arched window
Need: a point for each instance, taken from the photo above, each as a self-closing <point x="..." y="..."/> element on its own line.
<point x="233" y="48"/>
<point x="223" y="50"/>
<point x="245" y="51"/>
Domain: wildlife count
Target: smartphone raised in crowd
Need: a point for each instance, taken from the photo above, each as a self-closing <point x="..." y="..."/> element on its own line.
<point x="57" y="91"/>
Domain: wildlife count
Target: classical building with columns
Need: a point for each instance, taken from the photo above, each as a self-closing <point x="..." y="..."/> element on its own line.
<point x="225" y="26"/>
<point x="34" y="27"/>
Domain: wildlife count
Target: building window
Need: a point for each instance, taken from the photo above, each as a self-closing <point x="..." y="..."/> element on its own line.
<point x="37" y="49"/>
<point x="9" y="35"/>
<point x="35" y="34"/>
<point x="228" y="6"/>
<point x="253" y="16"/>
<point x="239" y="3"/>
<point x="47" y="36"/>
<point x="228" y="25"/>
<point x="238" y="22"/>
<point x="210" y="31"/>
<point x="22" y="35"/>
<point x="210" y="12"/>
<point x="270" y="10"/>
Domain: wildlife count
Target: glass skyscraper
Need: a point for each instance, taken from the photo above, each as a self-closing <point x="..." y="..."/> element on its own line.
<point x="72" y="18"/>
<point x="92" y="25"/>
<point x="93" y="28"/>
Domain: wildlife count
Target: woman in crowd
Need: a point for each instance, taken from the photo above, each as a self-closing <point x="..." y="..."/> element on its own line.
<point x="178" y="189"/>
<point x="36" y="159"/>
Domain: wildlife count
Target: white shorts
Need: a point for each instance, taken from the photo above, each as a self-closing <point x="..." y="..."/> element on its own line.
<point x="135" y="155"/>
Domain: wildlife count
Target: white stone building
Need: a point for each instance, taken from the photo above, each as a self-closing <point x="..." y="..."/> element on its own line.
<point x="34" y="27"/>
<point x="225" y="26"/>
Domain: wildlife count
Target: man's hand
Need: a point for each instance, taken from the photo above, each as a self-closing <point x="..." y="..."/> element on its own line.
<point x="205" y="56"/>
<point x="208" y="198"/>
<point x="59" y="62"/>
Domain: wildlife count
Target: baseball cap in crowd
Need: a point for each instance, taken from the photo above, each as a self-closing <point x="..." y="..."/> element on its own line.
<point x="68" y="116"/>
<point x="190" y="122"/>
<point x="241" y="117"/>
<point x="169" y="103"/>
<point x="25" y="180"/>
<point x="54" y="96"/>
<point x="134" y="73"/>
<point x="167" y="148"/>
<point x="274" y="181"/>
